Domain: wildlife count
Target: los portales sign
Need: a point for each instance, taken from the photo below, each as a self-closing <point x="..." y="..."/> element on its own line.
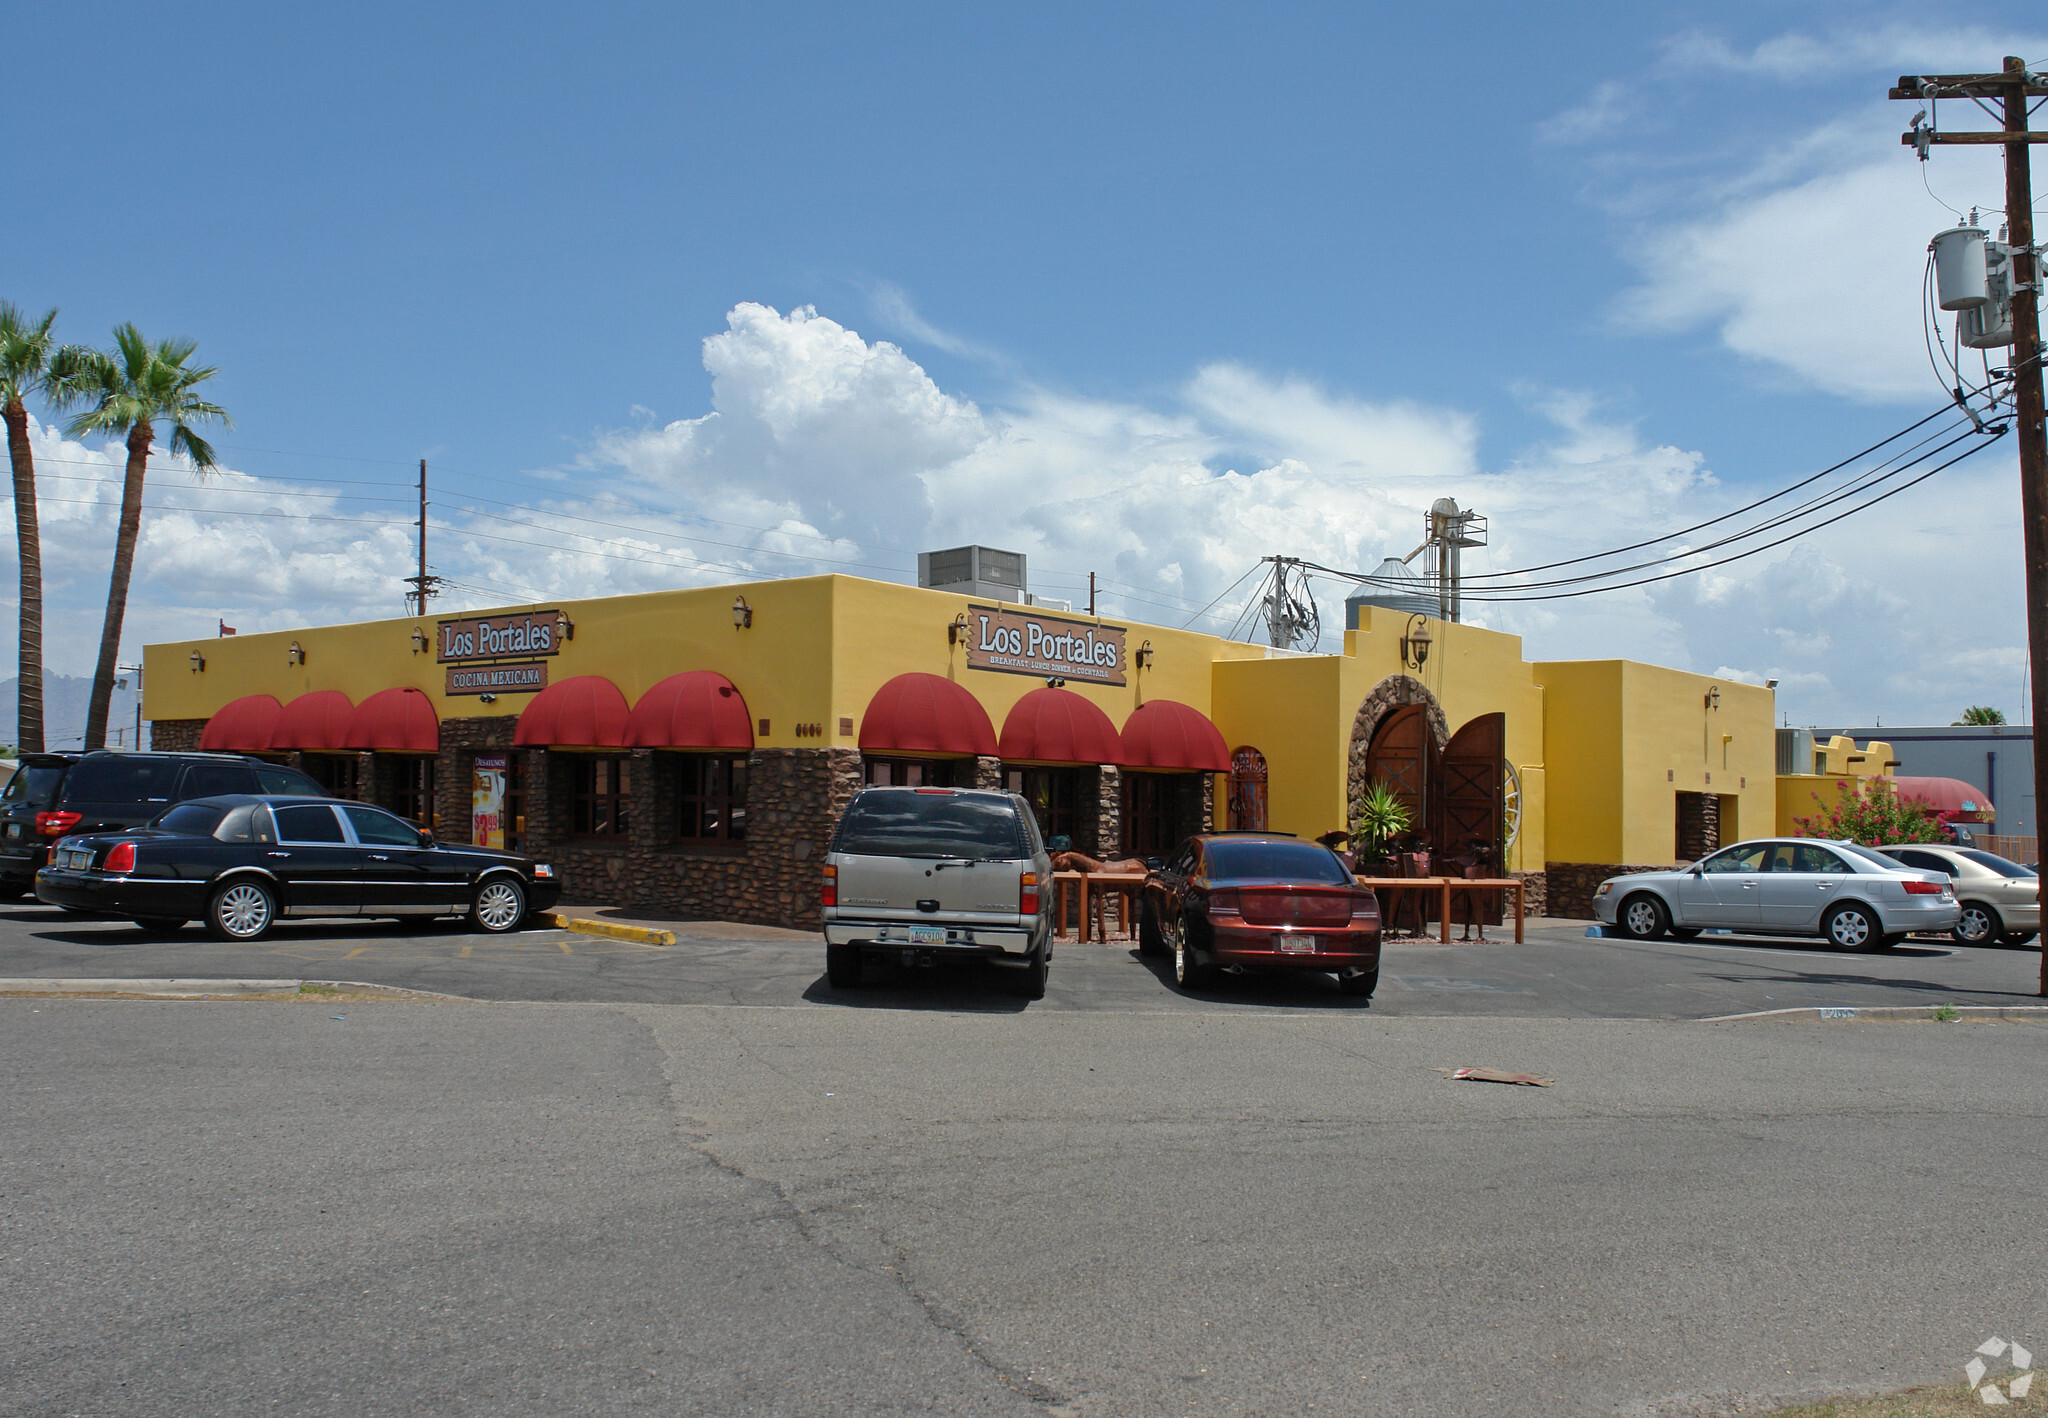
<point x="1016" y="640"/>
<point x="477" y="652"/>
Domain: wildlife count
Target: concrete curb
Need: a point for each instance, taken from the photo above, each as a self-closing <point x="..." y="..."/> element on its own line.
<point x="171" y="988"/>
<point x="1904" y="1011"/>
<point x="611" y="930"/>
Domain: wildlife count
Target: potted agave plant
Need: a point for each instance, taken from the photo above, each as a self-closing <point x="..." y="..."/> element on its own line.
<point x="1377" y="818"/>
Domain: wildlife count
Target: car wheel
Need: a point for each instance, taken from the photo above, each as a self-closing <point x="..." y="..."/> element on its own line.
<point x="1151" y="941"/>
<point x="1188" y="972"/>
<point x="499" y="905"/>
<point x="1853" y="928"/>
<point x="241" y="910"/>
<point x="2017" y="938"/>
<point x="1358" y="981"/>
<point x="1978" y="925"/>
<point x="842" y="966"/>
<point x="1029" y="983"/>
<point x="161" y="923"/>
<point x="1642" y="917"/>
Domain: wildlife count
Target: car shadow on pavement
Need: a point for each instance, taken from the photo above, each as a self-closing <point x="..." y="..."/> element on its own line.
<point x="1269" y="991"/>
<point x="947" y="985"/>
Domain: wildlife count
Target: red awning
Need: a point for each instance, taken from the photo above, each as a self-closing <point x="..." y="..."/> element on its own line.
<point x="920" y="713"/>
<point x="396" y="721"/>
<point x="1165" y="733"/>
<point x="584" y="711"/>
<point x="1059" y="726"/>
<point x="1965" y="800"/>
<point x="697" y="709"/>
<point x="316" y="722"/>
<point x="244" y="725"/>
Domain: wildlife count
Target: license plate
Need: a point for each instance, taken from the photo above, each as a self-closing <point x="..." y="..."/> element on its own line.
<point x="76" y="860"/>
<point x="927" y="935"/>
<point x="1297" y="945"/>
<point x="14" y="832"/>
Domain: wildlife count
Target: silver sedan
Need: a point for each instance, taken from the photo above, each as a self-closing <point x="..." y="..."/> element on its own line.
<point x="1846" y="894"/>
<point x="2000" y="900"/>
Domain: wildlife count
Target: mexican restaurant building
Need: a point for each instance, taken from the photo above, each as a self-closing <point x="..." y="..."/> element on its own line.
<point x="688" y="752"/>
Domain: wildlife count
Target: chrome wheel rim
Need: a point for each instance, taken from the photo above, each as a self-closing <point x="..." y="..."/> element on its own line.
<point x="1975" y="925"/>
<point x="243" y="910"/>
<point x="1850" y="929"/>
<point x="497" y="905"/>
<point x="1640" y="917"/>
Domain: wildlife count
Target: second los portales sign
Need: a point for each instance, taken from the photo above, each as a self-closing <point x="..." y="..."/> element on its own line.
<point x="1016" y="640"/>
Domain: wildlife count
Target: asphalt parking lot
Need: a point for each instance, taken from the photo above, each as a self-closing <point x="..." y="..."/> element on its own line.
<point x="1558" y="973"/>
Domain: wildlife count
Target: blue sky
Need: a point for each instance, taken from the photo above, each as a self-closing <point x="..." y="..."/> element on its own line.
<point x="1583" y="266"/>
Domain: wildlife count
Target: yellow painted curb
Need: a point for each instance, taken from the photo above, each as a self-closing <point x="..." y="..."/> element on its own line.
<point x="639" y="935"/>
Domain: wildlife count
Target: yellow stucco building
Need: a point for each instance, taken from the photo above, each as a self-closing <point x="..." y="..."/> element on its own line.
<point x="689" y="750"/>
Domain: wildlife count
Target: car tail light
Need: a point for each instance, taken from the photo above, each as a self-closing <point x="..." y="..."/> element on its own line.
<point x="1283" y="907"/>
<point x="1027" y="894"/>
<point x="942" y="792"/>
<point x="1365" y="906"/>
<point x="1925" y="888"/>
<point x="56" y="824"/>
<point x="830" y="894"/>
<point x="1225" y="903"/>
<point x="120" y="858"/>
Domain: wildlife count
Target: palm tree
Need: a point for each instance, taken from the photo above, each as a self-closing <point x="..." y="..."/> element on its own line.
<point x="130" y="388"/>
<point x="27" y="350"/>
<point x="1980" y="714"/>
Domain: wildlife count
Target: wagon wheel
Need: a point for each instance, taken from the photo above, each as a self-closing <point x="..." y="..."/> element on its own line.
<point x="1510" y="807"/>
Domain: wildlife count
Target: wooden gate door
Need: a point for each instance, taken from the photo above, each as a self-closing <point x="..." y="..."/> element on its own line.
<point x="1470" y="805"/>
<point x="1401" y="756"/>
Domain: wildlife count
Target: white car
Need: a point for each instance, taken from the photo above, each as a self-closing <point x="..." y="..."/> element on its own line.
<point x="1847" y="894"/>
<point x="2000" y="900"/>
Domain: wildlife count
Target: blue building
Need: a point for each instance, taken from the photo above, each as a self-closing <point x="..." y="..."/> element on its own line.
<point x="1998" y="758"/>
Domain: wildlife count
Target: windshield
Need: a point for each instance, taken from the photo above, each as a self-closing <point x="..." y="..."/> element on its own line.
<point x="35" y="784"/>
<point x="197" y="819"/>
<point x="907" y="823"/>
<point x="1996" y="863"/>
<point x="1270" y="861"/>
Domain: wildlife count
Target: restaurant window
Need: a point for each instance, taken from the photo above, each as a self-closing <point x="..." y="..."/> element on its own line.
<point x="339" y="773"/>
<point x="515" y="802"/>
<point x="1055" y="795"/>
<point x="1163" y="811"/>
<point x="412" y="790"/>
<point x="711" y="797"/>
<point x="600" y="798"/>
<point x="918" y="773"/>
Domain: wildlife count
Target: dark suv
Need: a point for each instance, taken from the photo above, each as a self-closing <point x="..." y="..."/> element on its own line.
<point x="65" y="793"/>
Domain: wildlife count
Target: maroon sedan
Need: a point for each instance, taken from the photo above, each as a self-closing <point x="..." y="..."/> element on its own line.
<point x="1236" y="901"/>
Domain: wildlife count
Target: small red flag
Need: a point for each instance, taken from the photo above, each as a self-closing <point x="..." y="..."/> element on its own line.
<point x="226" y="629"/>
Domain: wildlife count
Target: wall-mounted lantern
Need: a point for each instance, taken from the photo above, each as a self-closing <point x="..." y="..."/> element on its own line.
<point x="1143" y="659"/>
<point x="956" y="633"/>
<point x="1713" y="697"/>
<point x="1055" y="682"/>
<point x="1415" y="643"/>
<point x="419" y="641"/>
<point x="742" y="613"/>
<point x="295" y="655"/>
<point x="198" y="662"/>
<point x="565" y="626"/>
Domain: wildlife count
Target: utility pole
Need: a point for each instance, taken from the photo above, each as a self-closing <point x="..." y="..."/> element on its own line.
<point x="422" y="585"/>
<point x="2013" y="86"/>
<point x="1091" y="593"/>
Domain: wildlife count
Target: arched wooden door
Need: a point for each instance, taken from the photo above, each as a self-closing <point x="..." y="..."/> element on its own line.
<point x="1401" y="756"/>
<point x="1471" y="804"/>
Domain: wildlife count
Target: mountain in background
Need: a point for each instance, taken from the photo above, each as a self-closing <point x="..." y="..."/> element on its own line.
<point x="64" y="701"/>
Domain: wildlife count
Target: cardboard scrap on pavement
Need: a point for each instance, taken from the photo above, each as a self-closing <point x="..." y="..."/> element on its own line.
<point x="1495" y="1075"/>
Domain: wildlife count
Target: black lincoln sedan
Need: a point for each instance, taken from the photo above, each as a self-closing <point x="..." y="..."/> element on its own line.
<point x="241" y="861"/>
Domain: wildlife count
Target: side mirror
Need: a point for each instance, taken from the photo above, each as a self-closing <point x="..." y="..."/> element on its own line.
<point x="1697" y="871"/>
<point x="426" y="838"/>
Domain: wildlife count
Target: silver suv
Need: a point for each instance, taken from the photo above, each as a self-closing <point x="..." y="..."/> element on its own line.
<point x="1847" y="894"/>
<point x="923" y="873"/>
